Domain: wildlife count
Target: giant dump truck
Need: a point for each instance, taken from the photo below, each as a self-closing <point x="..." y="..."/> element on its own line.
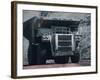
<point x="57" y="40"/>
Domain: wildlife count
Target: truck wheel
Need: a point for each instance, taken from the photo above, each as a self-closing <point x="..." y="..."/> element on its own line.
<point x="75" y="58"/>
<point x="61" y="59"/>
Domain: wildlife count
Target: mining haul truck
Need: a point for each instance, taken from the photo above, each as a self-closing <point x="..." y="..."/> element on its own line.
<point x="53" y="39"/>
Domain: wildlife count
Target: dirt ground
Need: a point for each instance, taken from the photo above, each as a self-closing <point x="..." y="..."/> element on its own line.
<point x="50" y="66"/>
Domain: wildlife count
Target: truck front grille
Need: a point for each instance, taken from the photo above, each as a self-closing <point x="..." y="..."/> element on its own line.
<point x="64" y="43"/>
<point x="64" y="37"/>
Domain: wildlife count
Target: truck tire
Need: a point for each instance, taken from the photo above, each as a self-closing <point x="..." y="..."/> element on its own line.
<point x="75" y="58"/>
<point x="61" y="59"/>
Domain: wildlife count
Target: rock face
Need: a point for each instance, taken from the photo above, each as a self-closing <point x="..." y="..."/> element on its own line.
<point x="25" y="51"/>
<point x="85" y="43"/>
<point x="84" y="29"/>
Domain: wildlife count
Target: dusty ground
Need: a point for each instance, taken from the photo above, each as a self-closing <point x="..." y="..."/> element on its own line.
<point x="50" y="66"/>
<point x="81" y="63"/>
